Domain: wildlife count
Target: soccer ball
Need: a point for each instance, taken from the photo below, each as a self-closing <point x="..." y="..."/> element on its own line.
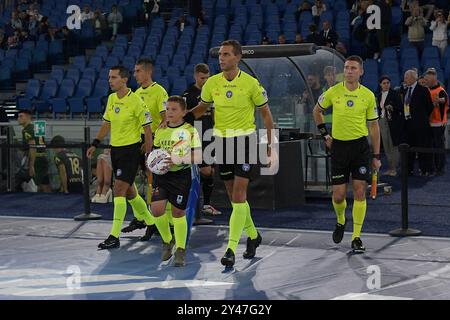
<point x="156" y="161"/>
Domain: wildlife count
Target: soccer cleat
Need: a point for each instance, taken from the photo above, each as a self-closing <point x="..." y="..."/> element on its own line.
<point x="179" y="257"/>
<point x="357" y="246"/>
<point x="167" y="250"/>
<point x="110" y="243"/>
<point x="251" y="247"/>
<point x="134" y="224"/>
<point x="149" y="232"/>
<point x="338" y="232"/>
<point x="210" y="210"/>
<point x="228" y="258"/>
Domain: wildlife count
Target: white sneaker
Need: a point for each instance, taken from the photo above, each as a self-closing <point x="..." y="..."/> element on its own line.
<point x="109" y="196"/>
<point x="210" y="210"/>
<point x="102" y="199"/>
<point x="95" y="198"/>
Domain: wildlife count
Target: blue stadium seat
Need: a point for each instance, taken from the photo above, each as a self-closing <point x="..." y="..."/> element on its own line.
<point x="96" y="62"/>
<point x="31" y="92"/>
<point x="173" y="73"/>
<point x="409" y="52"/>
<point x="59" y="103"/>
<point x="409" y="63"/>
<point x="389" y="53"/>
<point x="90" y="74"/>
<point x="73" y="74"/>
<point x="179" y="86"/>
<point x="77" y="102"/>
<point x="101" y="51"/>
<point x="111" y="61"/>
<point x="95" y="103"/>
<point x="118" y="52"/>
<point x="371" y="67"/>
<point x="79" y="62"/>
<point x="162" y="61"/>
<point x="49" y="90"/>
<point x="58" y="75"/>
<point x="389" y="66"/>
<point x="431" y="63"/>
<point x="129" y="62"/>
<point x="134" y="51"/>
<point x="371" y="82"/>
<point x="430" y="53"/>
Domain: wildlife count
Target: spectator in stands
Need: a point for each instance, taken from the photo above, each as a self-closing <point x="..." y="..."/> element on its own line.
<point x="439" y="27"/>
<point x="422" y="81"/>
<point x="313" y="81"/>
<point x="16" y="23"/>
<point x="329" y="74"/>
<point x="281" y="39"/>
<point x="181" y="23"/>
<point x="69" y="168"/>
<point x="103" y="193"/>
<point x="114" y="20"/>
<point x="70" y="42"/>
<point x="25" y="36"/>
<point x="305" y="6"/>
<point x="151" y="10"/>
<point x="298" y="38"/>
<point x="43" y="26"/>
<point x="417" y="110"/>
<point x="317" y="9"/>
<point x="428" y="6"/>
<point x="416" y="32"/>
<point x="100" y="25"/>
<point x="438" y="119"/>
<point x="33" y="26"/>
<point x="13" y="43"/>
<point x="330" y="36"/>
<point x="386" y="22"/>
<point x="87" y="14"/>
<point x="391" y="121"/>
<point x="314" y="36"/>
<point x="2" y="39"/>
<point x="340" y="47"/>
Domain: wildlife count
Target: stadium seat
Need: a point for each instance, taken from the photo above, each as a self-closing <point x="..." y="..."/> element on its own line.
<point x="73" y="74"/>
<point x="96" y="63"/>
<point x="95" y="103"/>
<point x="76" y="103"/>
<point x="59" y="103"/>
<point x="79" y="62"/>
<point x="90" y="74"/>
<point x="41" y="103"/>
<point x="31" y="92"/>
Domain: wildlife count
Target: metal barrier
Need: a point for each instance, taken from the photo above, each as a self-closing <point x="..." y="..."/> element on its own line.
<point x="404" y="149"/>
<point x="8" y="144"/>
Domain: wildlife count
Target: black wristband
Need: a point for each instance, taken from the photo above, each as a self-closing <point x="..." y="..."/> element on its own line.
<point x="189" y="117"/>
<point x="95" y="143"/>
<point x="323" y="130"/>
<point x="377" y="156"/>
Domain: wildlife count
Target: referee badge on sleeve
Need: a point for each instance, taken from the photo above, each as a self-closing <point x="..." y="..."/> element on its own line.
<point x="321" y="98"/>
<point x="148" y="117"/>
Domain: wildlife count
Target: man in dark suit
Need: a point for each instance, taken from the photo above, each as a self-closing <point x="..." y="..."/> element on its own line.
<point x="392" y="123"/>
<point x="314" y="36"/>
<point x="417" y="109"/>
<point x="330" y="36"/>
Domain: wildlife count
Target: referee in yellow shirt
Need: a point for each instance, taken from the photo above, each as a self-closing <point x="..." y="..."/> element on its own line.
<point x="155" y="98"/>
<point x="354" y="109"/>
<point x="124" y="116"/>
<point x="235" y="95"/>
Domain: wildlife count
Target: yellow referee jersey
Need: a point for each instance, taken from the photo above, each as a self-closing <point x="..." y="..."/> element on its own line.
<point x="234" y="103"/>
<point x="351" y="110"/>
<point x="127" y="117"/>
<point x="155" y="97"/>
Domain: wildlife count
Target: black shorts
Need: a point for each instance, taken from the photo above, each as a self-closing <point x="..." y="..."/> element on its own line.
<point x="76" y="187"/>
<point x="350" y="157"/>
<point x="173" y="186"/>
<point x="125" y="162"/>
<point x="243" y="161"/>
